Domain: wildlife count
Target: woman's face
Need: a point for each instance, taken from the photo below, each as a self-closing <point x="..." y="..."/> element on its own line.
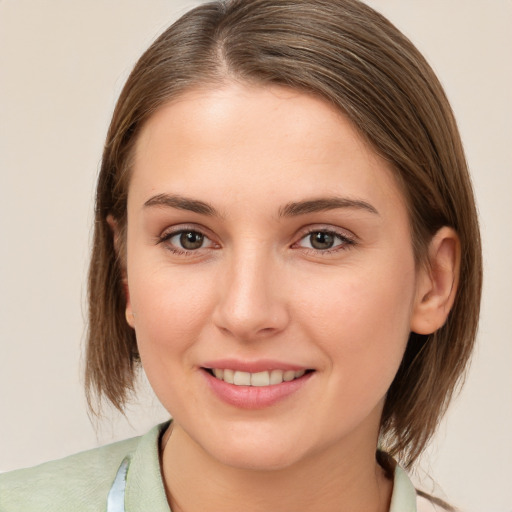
<point x="267" y="242"/>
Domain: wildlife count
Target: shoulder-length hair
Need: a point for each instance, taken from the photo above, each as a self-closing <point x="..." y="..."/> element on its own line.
<point x="351" y="56"/>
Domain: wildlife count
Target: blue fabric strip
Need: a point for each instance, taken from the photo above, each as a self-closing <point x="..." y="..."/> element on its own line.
<point x="115" y="500"/>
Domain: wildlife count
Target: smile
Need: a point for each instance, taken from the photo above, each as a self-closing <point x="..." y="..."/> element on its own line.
<point x="256" y="384"/>
<point x="259" y="379"/>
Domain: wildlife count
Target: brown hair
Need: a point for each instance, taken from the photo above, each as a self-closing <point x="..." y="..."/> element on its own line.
<point x="346" y="53"/>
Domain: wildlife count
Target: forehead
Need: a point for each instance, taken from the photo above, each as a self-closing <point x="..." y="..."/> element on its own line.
<point x="262" y="139"/>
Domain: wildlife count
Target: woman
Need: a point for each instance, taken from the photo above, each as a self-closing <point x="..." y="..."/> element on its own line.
<point x="286" y="238"/>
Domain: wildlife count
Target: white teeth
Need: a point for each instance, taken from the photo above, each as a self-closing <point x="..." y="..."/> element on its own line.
<point x="228" y="376"/>
<point x="242" y="379"/>
<point x="288" y="375"/>
<point x="276" y="377"/>
<point x="259" y="379"/>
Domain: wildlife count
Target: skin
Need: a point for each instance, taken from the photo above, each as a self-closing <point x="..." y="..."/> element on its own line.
<point x="257" y="289"/>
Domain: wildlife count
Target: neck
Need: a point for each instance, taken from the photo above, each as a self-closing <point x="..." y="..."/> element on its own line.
<point x="334" y="481"/>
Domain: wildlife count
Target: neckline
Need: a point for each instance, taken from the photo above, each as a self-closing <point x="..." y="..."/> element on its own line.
<point x="139" y="480"/>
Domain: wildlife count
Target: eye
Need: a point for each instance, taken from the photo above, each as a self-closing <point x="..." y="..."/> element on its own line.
<point x="324" y="240"/>
<point x="186" y="240"/>
<point x="189" y="240"/>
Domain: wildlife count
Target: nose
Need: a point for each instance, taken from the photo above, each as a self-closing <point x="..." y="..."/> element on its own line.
<point x="252" y="303"/>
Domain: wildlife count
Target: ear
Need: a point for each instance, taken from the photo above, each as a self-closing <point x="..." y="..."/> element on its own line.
<point x="117" y="236"/>
<point x="437" y="283"/>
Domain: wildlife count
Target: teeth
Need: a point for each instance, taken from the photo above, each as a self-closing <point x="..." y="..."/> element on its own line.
<point x="242" y="379"/>
<point x="228" y="376"/>
<point x="288" y="375"/>
<point x="276" y="377"/>
<point x="260" y="379"/>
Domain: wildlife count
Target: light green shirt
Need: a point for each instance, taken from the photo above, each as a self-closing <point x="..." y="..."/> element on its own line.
<point x="81" y="483"/>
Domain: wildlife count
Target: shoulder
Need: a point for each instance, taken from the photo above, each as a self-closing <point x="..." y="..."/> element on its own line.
<point x="80" y="482"/>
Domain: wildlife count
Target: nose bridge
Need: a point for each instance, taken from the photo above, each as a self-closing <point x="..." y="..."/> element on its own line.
<point x="249" y="302"/>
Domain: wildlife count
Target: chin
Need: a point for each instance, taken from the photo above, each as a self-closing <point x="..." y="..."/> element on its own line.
<point x="251" y="447"/>
<point x="257" y="458"/>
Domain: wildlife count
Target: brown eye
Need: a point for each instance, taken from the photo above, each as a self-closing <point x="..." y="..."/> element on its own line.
<point x="325" y="241"/>
<point x="322" y="240"/>
<point x="185" y="241"/>
<point x="191" y="240"/>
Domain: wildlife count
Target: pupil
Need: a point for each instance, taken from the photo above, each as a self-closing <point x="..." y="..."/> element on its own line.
<point x="320" y="240"/>
<point x="191" y="240"/>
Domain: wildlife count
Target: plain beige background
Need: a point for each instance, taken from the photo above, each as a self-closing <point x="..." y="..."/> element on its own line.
<point x="62" y="65"/>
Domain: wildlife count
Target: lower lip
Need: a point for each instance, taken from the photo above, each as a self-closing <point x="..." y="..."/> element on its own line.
<point x="254" y="397"/>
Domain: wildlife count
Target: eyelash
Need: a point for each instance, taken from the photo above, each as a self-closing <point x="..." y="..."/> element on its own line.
<point x="344" y="241"/>
<point x="167" y="236"/>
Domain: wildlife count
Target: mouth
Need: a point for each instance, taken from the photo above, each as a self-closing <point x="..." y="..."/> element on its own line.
<point x="256" y="384"/>
<point x="259" y="379"/>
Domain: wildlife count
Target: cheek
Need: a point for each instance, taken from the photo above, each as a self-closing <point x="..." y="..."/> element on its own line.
<point x="170" y="314"/>
<point x="361" y="322"/>
<point x="171" y="308"/>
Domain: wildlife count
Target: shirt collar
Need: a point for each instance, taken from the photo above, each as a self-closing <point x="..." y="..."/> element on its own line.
<point x="145" y="489"/>
<point x="404" y="493"/>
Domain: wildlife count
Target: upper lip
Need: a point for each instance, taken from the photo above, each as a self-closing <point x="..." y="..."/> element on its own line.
<point x="260" y="365"/>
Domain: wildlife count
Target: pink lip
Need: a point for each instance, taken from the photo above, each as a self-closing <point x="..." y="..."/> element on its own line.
<point x="252" y="397"/>
<point x="260" y="365"/>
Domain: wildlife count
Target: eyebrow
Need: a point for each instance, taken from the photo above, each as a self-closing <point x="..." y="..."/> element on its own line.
<point x="181" y="203"/>
<point x="324" y="204"/>
<point x="292" y="209"/>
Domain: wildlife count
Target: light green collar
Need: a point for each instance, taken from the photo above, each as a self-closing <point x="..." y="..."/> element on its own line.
<point x="404" y="493"/>
<point x="139" y="486"/>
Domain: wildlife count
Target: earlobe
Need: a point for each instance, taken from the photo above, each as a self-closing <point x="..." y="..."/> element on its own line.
<point x="437" y="283"/>
<point x="116" y="234"/>
<point x="130" y="317"/>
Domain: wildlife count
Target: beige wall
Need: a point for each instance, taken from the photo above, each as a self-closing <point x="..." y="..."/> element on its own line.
<point x="62" y="64"/>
